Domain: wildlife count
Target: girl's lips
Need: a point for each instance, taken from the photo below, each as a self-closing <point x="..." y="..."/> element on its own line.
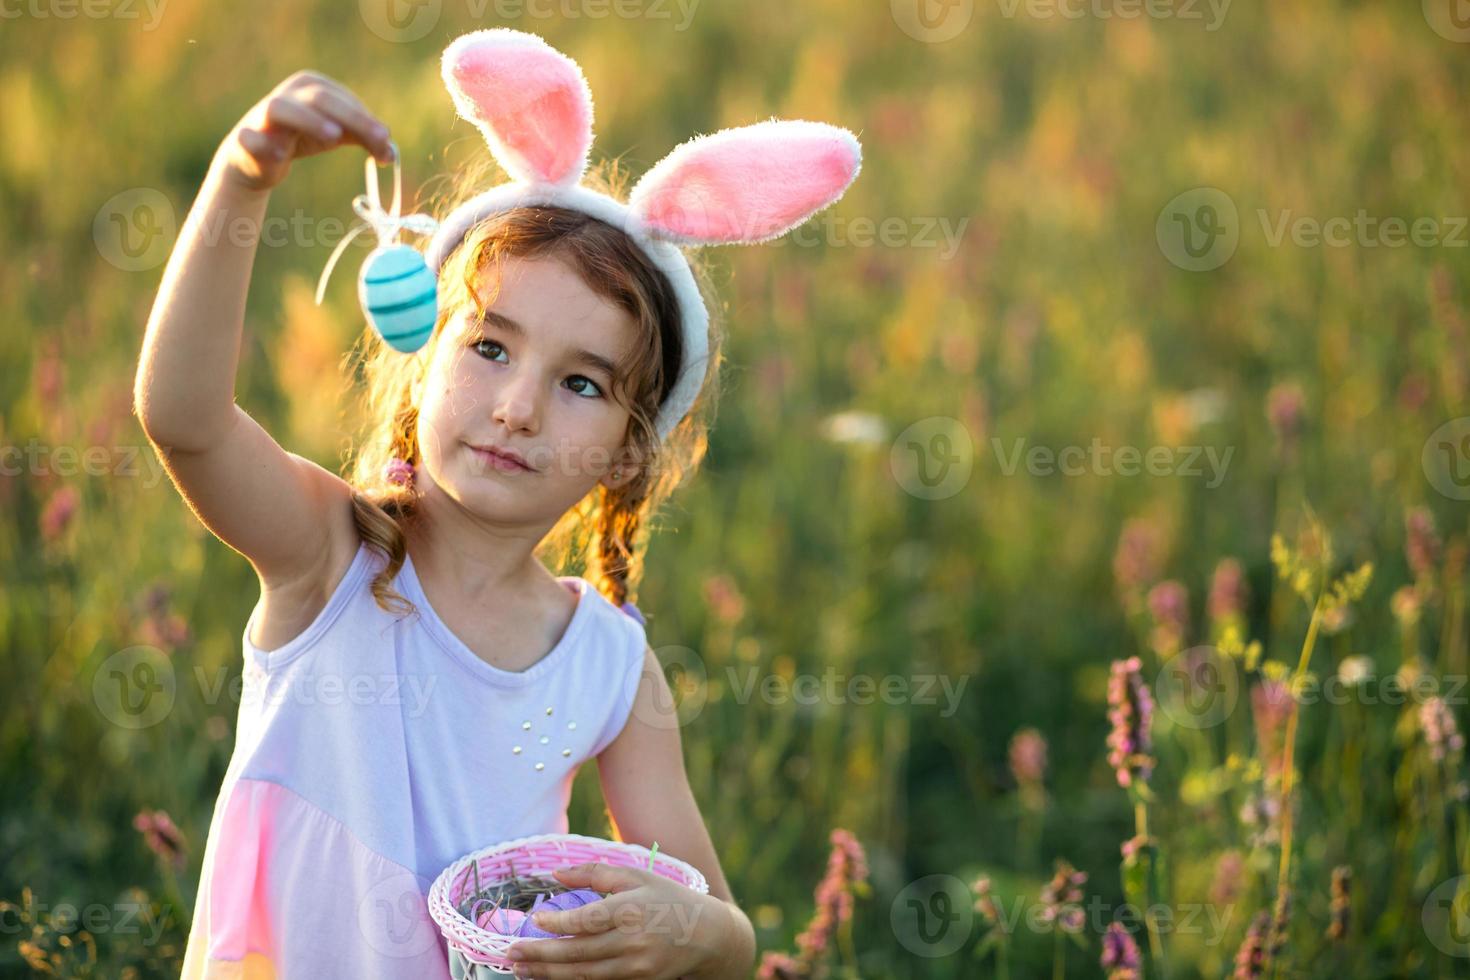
<point x="502" y="463"/>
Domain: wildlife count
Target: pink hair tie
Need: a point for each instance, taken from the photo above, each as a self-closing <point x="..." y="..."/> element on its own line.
<point x="398" y="471"/>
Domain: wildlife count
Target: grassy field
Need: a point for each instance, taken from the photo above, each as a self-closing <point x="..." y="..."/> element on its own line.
<point x="1142" y="333"/>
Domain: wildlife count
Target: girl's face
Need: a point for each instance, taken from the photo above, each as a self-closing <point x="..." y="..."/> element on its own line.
<point x="532" y="377"/>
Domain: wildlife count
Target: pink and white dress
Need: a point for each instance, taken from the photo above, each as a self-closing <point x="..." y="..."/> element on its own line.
<point x="373" y="750"/>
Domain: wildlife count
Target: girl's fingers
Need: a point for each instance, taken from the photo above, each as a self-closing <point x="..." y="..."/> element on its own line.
<point x="572" y="949"/>
<point x="257" y="143"/>
<point x="284" y="112"/>
<point x="266" y="152"/>
<point x="617" y="969"/>
<point x="360" y="126"/>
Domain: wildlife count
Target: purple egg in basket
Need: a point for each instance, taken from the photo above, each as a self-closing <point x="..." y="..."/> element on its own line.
<point x="560" y="902"/>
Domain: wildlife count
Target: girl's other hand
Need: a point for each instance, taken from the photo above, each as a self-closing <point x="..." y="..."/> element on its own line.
<point x="306" y="114"/>
<point x="646" y="926"/>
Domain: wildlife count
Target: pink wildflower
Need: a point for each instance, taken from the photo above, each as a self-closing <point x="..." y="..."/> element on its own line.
<point x="1028" y="766"/>
<point x="161" y="836"/>
<point x="1061" y="898"/>
<point x="1441" y="734"/>
<point x="1120" y="956"/>
<point x="1137" y="561"/>
<point x="1285" y="406"/>
<point x="1130" y="709"/>
<point x="1270" y="706"/>
<point x="780" y="966"/>
<point x="60" y="507"/>
<point x="1168" y="604"/>
<point x="1421" y="542"/>
<point x="1228" y="591"/>
<point x="723" y="598"/>
<point x="847" y="869"/>
<point x="1250" y="959"/>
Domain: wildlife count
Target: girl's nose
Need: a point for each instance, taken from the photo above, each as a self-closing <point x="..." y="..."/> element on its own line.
<point x="518" y="404"/>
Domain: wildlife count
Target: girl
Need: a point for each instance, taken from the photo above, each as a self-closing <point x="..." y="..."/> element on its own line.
<point x="417" y="684"/>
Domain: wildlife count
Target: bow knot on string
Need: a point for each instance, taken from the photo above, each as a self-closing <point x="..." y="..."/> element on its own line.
<point x="386" y="224"/>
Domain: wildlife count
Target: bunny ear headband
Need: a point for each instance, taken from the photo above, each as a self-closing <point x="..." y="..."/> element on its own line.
<point x="739" y="186"/>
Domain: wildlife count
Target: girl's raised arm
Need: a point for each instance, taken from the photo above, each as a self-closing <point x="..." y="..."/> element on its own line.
<point x="282" y="512"/>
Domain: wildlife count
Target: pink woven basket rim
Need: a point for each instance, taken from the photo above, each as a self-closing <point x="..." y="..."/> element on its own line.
<point x="535" y="854"/>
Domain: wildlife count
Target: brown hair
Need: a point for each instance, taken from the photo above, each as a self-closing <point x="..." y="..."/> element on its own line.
<point x="607" y="530"/>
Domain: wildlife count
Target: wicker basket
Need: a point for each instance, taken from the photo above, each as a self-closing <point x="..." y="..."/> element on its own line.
<point x="479" y="954"/>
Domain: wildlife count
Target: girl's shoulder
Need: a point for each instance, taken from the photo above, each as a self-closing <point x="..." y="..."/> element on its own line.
<point x="626" y="620"/>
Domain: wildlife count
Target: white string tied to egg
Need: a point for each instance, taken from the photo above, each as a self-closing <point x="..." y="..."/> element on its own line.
<point x="396" y="288"/>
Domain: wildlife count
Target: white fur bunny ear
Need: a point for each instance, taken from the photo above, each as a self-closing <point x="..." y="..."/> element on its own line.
<point x="530" y="100"/>
<point x="746" y="185"/>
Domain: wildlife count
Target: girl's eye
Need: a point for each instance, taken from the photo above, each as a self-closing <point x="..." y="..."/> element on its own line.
<point x="588" y="388"/>
<point x="486" y="343"/>
<point x="592" y="385"/>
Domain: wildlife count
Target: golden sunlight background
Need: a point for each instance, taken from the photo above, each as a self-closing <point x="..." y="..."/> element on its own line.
<point x="1122" y="292"/>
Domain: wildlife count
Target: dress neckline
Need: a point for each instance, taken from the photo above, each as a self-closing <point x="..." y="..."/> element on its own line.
<point x="461" y="651"/>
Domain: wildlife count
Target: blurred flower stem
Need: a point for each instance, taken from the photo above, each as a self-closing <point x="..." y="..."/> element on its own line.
<point x="1288" y="756"/>
<point x="1155" y="942"/>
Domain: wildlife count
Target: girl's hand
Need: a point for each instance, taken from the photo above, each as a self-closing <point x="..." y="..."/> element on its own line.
<point x="306" y="114"/>
<point x="649" y="927"/>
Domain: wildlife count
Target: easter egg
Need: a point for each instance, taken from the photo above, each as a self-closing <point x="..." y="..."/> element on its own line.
<point x="504" y="921"/>
<point x="400" y="295"/>
<point x="559" y="902"/>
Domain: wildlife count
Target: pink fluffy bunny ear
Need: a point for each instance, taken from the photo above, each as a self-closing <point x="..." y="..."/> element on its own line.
<point x="530" y="100"/>
<point x="746" y="185"/>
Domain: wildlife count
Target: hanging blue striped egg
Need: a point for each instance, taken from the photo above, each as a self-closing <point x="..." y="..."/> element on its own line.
<point x="400" y="296"/>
